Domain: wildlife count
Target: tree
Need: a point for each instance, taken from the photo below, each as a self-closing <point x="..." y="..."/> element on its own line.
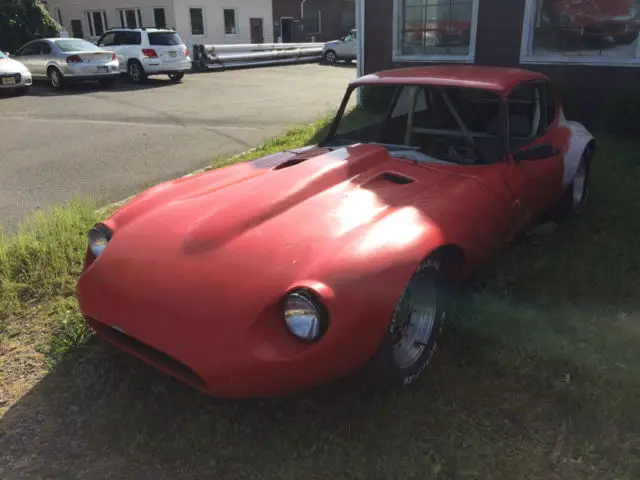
<point x="22" y="21"/>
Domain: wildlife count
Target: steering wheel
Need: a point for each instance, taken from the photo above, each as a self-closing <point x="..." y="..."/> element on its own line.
<point x="457" y="149"/>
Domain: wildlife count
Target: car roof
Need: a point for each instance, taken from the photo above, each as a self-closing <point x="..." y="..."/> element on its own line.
<point x="496" y="79"/>
<point x="125" y="29"/>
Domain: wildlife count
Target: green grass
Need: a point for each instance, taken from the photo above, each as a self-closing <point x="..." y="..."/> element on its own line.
<point x="537" y="377"/>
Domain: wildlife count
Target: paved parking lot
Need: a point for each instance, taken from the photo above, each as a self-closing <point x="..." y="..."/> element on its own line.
<point x="112" y="143"/>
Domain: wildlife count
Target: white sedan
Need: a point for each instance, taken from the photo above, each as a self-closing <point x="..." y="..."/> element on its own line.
<point x="14" y="75"/>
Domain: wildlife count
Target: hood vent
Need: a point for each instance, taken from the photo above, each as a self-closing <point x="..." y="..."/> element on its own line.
<point x="290" y="163"/>
<point x="395" y="178"/>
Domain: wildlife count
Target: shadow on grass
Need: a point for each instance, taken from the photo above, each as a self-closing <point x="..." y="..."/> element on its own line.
<point x="537" y="377"/>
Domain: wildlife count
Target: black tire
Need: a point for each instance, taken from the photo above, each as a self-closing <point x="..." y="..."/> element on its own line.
<point x="176" y="77"/>
<point x="427" y="289"/>
<point x="136" y="72"/>
<point x="330" y="57"/>
<point x="106" y="82"/>
<point x="55" y="77"/>
<point x="575" y="196"/>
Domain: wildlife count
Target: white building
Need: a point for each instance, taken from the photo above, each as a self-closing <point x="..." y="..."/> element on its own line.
<point x="196" y="21"/>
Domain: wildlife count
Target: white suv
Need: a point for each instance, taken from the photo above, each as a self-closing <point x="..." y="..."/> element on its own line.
<point x="148" y="51"/>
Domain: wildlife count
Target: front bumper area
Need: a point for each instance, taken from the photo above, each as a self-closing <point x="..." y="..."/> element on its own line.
<point x="20" y="79"/>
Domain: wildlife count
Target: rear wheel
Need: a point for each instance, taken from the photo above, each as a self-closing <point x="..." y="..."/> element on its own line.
<point x="136" y="72"/>
<point x="575" y="197"/>
<point x="412" y="336"/>
<point x="176" y="76"/>
<point x="56" y="80"/>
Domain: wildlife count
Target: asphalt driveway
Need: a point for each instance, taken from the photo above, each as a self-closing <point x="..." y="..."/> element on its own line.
<point x="112" y="143"/>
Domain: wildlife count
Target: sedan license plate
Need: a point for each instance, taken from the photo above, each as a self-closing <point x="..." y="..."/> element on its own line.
<point x="9" y="81"/>
<point x="173" y="54"/>
<point x="103" y="69"/>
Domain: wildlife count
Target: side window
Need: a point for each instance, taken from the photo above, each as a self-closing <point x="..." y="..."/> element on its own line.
<point x="45" y="48"/>
<point x="107" y="40"/>
<point x="526" y="114"/>
<point x="29" y="49"/>
<point x="406" y="99"/>
<point x="131" y="38"/>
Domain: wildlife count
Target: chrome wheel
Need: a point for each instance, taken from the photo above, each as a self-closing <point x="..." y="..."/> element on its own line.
<point x="55" y="78"/>
<point x="135" y="72"/>
<point x="415" y="316"/>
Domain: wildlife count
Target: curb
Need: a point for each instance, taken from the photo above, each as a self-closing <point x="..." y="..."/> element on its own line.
<point x="120" y="203"/>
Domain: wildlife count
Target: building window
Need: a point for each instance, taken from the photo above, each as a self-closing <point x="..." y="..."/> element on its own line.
<point x="230" y="22"/>
<point x="97" y="22"/>
<point x="586" y="31"/>
<point x="159" y="18"/>
<point x="130" y="18"/>
<point x="312" y="20"/>
<point x="197" y="21"/>
<point x="435" y="29"/>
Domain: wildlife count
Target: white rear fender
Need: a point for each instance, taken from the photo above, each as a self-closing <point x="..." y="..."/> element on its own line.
<point x="578" y="141"/>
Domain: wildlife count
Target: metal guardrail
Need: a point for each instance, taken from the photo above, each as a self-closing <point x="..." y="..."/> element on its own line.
<point x="207" y="57"/>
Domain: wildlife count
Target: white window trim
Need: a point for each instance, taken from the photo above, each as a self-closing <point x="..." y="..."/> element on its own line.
<point x="204" y="21"/>
<point x="235" y="18"/>
<point x="88" y="16"/>
<point x="121" y="10"/>
<point x="528" y="57"/>
<point x="153" y="13"/>
<point x="398" y="56"/>
<point x="319" y="24"/>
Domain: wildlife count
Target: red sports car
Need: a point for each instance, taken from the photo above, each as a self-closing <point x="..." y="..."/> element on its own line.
<point x="615" y="20"/>
<point x="268" y="277"/>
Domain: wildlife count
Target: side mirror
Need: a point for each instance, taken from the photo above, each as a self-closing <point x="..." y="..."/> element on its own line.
<point x="537" y="152"/>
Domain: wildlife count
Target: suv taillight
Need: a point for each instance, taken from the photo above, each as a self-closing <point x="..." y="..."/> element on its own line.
<point x="149" y="52"/>
<point x="114" y="57"/>
<point x="186" y="54"/>
<point x="74" y="59"/>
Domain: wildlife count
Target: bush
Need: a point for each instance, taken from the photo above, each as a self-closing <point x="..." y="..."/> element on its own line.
<point x="22" y="21"/>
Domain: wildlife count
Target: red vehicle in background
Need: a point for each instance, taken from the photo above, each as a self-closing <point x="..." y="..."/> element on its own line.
<point x="442" y="32"/>
<point x="611" y="21"/>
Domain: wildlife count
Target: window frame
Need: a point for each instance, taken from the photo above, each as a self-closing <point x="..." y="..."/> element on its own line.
<point x="204" y="22"/>
<point x="398" y="56"/>
<point x="122" y="16"/>
<point x="543" y="85"/>
<point x="528" y="57"/>
<point x="88" y="16"/>
<point x="164" y="14"/>
<point x="319" y="32"/>
<point x="235" y="22"/>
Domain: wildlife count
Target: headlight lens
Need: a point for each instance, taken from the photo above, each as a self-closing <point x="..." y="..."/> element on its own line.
<point x="303" y="317"/>
<point x="99" y="237"/>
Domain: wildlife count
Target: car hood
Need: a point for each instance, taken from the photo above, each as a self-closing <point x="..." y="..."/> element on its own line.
<point x="8" y="65"/>
<point x="309" y="197"/>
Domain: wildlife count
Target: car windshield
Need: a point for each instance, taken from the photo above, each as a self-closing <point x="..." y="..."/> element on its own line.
<point x="424" y="123"/>
<point x="164" y="38"/>
<point x="3" y="55"/>
<point x="75" y="45"/>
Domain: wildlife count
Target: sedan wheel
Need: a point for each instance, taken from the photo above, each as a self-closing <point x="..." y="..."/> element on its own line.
<point x="56" y="80"/>
<point x="330" y="57"/>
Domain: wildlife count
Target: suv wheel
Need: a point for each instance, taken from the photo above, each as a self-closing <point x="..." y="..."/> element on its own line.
<point x="136" y="72"/>
<point x="176" y="76"/>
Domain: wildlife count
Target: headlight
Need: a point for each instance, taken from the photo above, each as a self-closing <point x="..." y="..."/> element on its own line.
<point x="99" y="237"/>
<point x="304" y="317"/>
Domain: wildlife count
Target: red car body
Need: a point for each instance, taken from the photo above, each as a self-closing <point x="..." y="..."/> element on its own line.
<point x="597" y="18"/>
<point x="193" y="278"/>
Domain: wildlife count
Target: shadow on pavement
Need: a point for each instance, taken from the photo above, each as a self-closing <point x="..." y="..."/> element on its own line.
<point x="41" y="89"/>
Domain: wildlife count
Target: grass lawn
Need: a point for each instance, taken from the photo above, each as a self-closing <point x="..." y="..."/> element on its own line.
<point x="538" y="376"/>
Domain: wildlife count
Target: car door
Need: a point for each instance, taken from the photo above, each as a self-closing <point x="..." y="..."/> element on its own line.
<point x="536" y="143"/>
<point x="27" y="55"/>
<point x="45" y="52"/>
<point x="347" y="47"/>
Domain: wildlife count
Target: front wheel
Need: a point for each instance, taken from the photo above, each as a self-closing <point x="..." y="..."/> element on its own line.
<point x="412" y="336"/>
<point x="176" y="76"/>
<point x="330" y="57"/>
